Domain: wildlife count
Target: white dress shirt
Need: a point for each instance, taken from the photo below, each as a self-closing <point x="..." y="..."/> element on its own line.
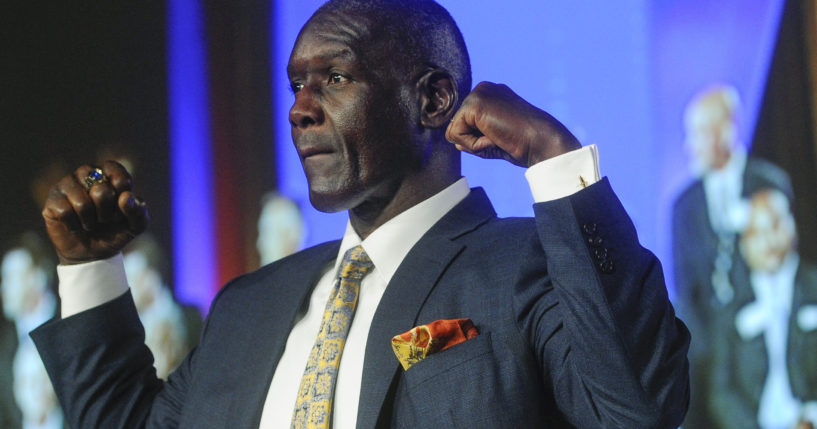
<point x="769" y="315"/>
<point x="728" y="211"/>
<point x="87" y="285"/>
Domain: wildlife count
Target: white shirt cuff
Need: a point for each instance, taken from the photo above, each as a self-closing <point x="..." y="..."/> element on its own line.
<point x="564" y="175"/>
<point x="84" y="286"/>
<point x="809" y="412"/>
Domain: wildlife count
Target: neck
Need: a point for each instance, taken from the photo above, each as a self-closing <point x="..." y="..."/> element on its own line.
<point x="377" y="210"/>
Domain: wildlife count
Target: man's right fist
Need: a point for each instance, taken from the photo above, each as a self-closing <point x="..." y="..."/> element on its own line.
<point x="96" y="222"/>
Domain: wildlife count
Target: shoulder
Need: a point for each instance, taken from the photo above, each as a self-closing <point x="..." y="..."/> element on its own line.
<point x="509" y="227"/>
<point x="691" y="195"/>
<point x="306" y="257"/>
<point x="302" y="263"/>
<point x="807" y="277"/>
<point x="503" y="233"/>
<point x="761" y="167"/>
<point x="760" y="174"/>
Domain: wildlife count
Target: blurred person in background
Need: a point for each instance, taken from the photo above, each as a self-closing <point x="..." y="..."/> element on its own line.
<point x="707" y="216"/>
<point x="29" y="301"/>
<point x="10" y="416"/>
<point x="281" y="229"/>
<point x="765" y="366"/>
<point x="166" y="322"/>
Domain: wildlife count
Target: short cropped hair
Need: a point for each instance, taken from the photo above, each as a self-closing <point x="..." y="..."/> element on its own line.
<point x="415" y="32"/>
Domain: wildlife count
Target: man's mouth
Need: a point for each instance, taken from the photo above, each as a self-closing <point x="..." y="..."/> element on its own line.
<point x="307" y="152"/>
<point x="310" y="145"/>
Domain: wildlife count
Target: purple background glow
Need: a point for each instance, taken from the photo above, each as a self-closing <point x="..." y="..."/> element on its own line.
<point x="618" y="74"/>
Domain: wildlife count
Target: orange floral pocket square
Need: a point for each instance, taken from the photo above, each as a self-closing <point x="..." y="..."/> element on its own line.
<point x="414" y="345"/>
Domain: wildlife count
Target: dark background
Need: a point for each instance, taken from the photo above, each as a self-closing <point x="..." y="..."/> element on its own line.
<point x="81" y="83"/>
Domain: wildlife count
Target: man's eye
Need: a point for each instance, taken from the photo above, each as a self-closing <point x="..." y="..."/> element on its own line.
<point x="336" y="78"/>
<point x="296" y="86"/>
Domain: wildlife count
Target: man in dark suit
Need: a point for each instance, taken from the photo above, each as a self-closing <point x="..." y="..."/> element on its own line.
<point x="575" y="328"/>
<point x="706" y="219"/>
<point x="764" y="371"/>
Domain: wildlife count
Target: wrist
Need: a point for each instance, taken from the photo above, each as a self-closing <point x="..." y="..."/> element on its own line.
<point x="551" y="140"/>
<point x="559" y="145"/>
<point x="67" y="260"/>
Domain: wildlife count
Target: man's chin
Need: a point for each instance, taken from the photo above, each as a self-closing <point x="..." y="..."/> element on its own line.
<point x="328" y="203"/>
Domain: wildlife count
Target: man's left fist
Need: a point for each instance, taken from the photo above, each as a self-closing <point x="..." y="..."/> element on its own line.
<point x="494" y="122"/>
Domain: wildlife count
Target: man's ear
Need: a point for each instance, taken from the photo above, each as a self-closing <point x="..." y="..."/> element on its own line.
<point x="438" y="98"/>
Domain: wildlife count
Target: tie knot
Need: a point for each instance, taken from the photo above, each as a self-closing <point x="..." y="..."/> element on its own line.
<point x="356" y="264"/>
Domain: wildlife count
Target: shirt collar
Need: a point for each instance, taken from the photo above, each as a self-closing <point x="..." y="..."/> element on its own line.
<point x="389" y="244"/>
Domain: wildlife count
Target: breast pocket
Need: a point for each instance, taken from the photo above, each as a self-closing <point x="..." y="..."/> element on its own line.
<point x="459" y="387"/>
<point x="454" y="361"/>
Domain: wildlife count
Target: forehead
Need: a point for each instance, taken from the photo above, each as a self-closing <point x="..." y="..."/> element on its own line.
<point x="332" y="35"/>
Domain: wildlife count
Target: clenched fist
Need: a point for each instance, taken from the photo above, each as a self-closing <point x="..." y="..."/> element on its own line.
<point x="494" y="122"/>
<point x="90" y="223"/>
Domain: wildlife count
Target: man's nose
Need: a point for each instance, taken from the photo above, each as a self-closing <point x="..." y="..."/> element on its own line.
<point x="306" y="111"/>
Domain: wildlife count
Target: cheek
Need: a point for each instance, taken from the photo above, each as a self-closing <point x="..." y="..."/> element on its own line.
<point x="352" y="121"/>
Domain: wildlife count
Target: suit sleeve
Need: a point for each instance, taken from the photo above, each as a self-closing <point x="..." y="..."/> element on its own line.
<point x="618" y="357"/>
<point x="103" y="373"/>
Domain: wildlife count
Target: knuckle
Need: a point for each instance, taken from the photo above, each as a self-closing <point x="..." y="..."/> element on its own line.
<point x="484" y="87"/>
<point x="55" y="204"/>
<point x="54" y="195"/>
<point x="101" y="192"/>
<point x="59" y="213"/>
<point x="49" y="212"/>
<point x="66" y="182"/>
<point x="83" y="207"/>
<point x="122" y="182"/>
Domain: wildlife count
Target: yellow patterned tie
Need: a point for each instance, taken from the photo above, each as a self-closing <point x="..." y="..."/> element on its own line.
<point x="313" y="409"/>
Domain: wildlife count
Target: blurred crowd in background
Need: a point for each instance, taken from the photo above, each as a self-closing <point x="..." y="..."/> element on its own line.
<point x="748" y="298"/>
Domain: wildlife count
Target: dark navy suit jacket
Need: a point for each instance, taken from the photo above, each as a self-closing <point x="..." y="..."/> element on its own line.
<point x="575" y="330"/>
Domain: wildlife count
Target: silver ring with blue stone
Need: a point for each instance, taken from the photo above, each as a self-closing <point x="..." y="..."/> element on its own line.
<point x="95" y="176"/>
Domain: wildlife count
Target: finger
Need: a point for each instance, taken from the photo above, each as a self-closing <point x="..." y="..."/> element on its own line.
<point x="117" y="176"/>
<point x="77" y="195"/>
<point x="480" y="146"/>
<point x="104" y="198"/>
<point x="462" y="130"/>
<point x="135" y="211"/>
<point x="483" y="144"/>
<point x="492" y="152"/>
<point x="104" y="193"/>
<point x="484" y="148"/>
<point x="59" y="213"/>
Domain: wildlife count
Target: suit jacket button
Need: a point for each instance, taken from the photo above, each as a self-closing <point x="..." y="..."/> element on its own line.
<point x="595" y="241"/>
<point x="590" y="228"/>
<point x="607" y="267"/>
<point x="600" y="253"/>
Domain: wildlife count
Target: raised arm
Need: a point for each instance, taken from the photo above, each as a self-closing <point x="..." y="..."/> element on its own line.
<point x="95" y="354"/>
<point x="618" y="358"/>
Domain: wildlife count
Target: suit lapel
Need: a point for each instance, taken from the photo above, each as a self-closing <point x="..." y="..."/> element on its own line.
<point x="268" y="317"/>
<point x="404" y="297"/>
